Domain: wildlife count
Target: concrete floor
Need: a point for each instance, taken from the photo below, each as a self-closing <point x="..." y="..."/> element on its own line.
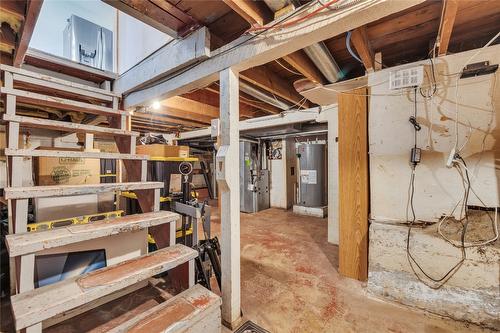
<point x="289" y="283"/>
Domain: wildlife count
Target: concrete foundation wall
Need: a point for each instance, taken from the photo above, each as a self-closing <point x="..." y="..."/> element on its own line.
<point x="472" y="293"/>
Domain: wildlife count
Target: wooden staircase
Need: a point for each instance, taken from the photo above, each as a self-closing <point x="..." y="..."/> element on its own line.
<point x="33" y="306"/>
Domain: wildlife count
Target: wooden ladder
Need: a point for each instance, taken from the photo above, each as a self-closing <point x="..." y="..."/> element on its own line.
<point x="33" y="306"/>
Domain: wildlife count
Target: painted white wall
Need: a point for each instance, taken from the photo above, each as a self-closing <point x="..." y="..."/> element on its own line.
<point x="438" y="188"/>
<point x="136" y="41"/>
<point x="48" y="32"/>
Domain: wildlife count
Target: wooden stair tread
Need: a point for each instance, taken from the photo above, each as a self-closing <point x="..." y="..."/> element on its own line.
<point x="73" y="154"/>
<point x="30" y="97"/>
<point x="34" y="306"/>
<point x="65" y="190"/>
<point x="32" y="242"/>
<point x="67" y="126"/>
<point x="174" y="315"/>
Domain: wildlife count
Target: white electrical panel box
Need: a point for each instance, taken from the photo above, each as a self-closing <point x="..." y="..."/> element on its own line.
<point x="408" y="77"/>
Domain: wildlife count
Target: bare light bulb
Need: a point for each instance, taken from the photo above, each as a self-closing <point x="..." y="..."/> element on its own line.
<point x="156" y="105"/>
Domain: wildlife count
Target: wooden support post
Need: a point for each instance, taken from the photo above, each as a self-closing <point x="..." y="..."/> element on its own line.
<point x="144" y="171"/>
<point x="89" y="142"/>
<point x="353" y="184"/>
<point x="449" y="15"/>
<point x="228" y="179"/>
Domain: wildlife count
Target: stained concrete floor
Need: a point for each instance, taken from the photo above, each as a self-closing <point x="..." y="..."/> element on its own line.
<point x="290" y="284"/>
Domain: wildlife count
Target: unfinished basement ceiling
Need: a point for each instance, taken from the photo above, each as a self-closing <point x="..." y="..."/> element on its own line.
<point x="400" y="38"/>
<point x="476" y="21"/>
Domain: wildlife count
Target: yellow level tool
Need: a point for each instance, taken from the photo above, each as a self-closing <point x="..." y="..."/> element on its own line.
<point x="178" y="234"/>
<point x="74" y="220"/>
<point x="132" y="195"/>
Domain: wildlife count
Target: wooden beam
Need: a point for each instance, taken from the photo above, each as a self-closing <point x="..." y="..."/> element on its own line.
<point x="150" y="14"/>
<point x="254" y="12"/>
<point x="268" y="81"/>
<point x="24" y="35"/>
<point x="7" y="39"/>
<point x="181" y="114"/>
<point x="167" y="119"/>
<point x="353" y="184"/>
<point x="247" y="52"/>
<point x="362" y="45"/>
<point x="228" y="178"/>
<point x="449" y="15"/>
<point x="185" y="104"/>
<point x="166" y="60"/>
<point x="304" y="65"/>
<point x="190" y="24"/>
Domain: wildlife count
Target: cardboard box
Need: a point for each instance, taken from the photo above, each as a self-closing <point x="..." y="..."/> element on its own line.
<point x="161" y="150"/>
<point x="67" y="171"/>
<point x="106" y="146"/>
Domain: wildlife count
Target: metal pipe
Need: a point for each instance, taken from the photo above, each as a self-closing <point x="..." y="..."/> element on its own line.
<point x="263" y="96"/>
<point x="323" y="59"/>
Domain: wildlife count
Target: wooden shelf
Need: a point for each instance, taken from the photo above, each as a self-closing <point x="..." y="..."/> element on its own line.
<point x="67" y="126"/>
<point x="61" y="103"/>
<point x="32" y="242"/>
<point x="73" y="154"/>
<point x="64" y="190"/>
<point x="173" y="159"/>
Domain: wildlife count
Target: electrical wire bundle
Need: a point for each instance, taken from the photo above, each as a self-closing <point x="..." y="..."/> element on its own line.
<point x="459" y="163"/>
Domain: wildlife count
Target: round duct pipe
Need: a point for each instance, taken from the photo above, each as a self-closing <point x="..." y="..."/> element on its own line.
<point x="323" y="59"/>
<point x="260" y="95"/>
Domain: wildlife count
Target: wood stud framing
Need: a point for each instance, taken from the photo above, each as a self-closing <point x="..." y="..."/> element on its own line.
<point x="449" y="15"/>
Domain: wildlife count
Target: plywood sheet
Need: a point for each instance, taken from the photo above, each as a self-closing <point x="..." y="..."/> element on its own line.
<point x="353" y="184"/>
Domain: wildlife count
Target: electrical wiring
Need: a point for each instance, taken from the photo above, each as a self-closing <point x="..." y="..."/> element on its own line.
<point x="457" y="85"/>
<point x="436" y="282"/>
<point x="297" y="20"/>
<point x="348" y="45"/>
<point x="198" y="63"/>
<point x="460" y="162"/>
<point x="288" y="69"/>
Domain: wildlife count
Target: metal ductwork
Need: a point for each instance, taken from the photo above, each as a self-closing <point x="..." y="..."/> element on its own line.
<point x="263" y="96"/>
<point x="323" y="59"/>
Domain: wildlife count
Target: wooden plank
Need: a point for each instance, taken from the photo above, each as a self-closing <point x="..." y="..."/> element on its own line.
<point x="179" y="313"/>
<point x="66" y="66"/>
<point x="72" y="154"/>
<point x="254" y="12"/>
<point x="228" y="179"/>
<point x="158" y="118"/>
<point x="61" y="103"/>
<point x="64" y="190"/>
<point x="304" y="65"/>
<point x="272" y="83"/>
<point x="24" y="35"/>
<point x="67" y="126"/>
<point x="32" y="242"/>
<point x="247" y="51"/>
<point x="169" y="58"/>
<point x="51" y="79"/>
<point x="362" y="45"/>
<point x="29" y="83"/>
<point x="449" y="15"/>
<point x="40" y="304"/>
<point x="353" y="184"/>
<point x="150" y="14"/>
